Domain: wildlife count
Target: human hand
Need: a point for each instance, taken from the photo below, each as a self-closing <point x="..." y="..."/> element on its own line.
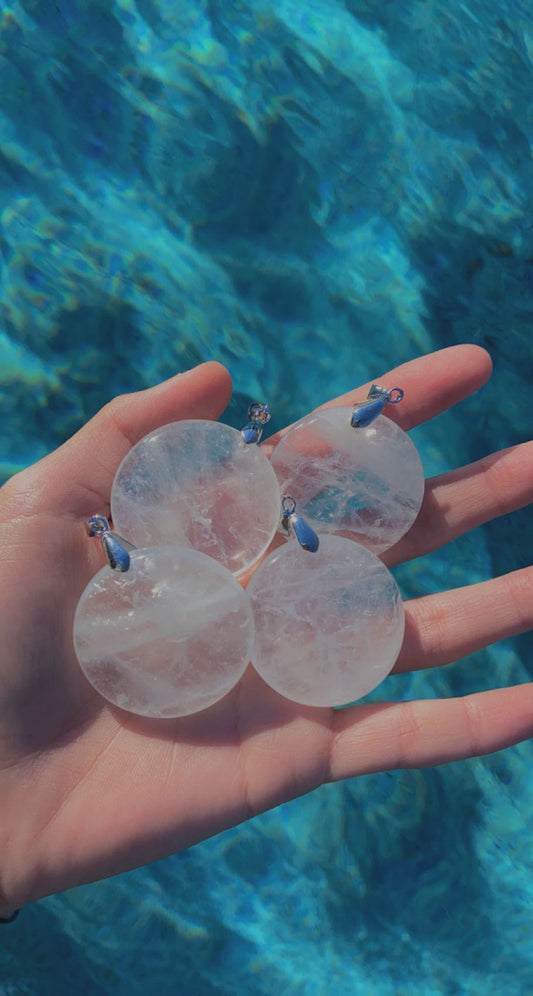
<point x="88" y="791"/>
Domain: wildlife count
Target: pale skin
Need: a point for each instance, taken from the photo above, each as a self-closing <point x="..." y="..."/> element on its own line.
<point x="87" y="791"/>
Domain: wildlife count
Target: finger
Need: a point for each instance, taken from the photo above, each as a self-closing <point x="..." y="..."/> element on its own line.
<point x="431" y="384"/>
<point x="77" y="478"/>
<point x="445" y="627"/>
<point x="460" y="500"/>
<point x="423" y="732"/>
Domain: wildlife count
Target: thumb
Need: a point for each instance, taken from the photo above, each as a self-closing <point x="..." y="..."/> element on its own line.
<point x="75" y="480"/>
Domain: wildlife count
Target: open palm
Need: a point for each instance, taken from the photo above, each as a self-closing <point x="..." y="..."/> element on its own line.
<point x="87" y="791"/>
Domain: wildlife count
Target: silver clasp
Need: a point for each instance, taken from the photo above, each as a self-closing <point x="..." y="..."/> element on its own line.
<point x="364" y="412"/>
<point x="258" y="416"/>
<point x="294" y="525"/>
<point x="116" y="548"/>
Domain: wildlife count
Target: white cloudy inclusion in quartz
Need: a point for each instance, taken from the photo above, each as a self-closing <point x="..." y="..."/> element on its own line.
<point x="363" y="483"/>
<point x="169" y="637"/>
<point x="328" y="625"/>
<point x="196" y="483"/>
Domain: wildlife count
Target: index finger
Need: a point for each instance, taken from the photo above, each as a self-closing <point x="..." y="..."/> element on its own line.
<point x="431" y="385"/>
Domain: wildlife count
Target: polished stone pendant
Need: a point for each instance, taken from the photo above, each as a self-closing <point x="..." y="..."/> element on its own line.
<point x="168" y="637"/>
<point x="328" y="625"/>
<point x="352" y="472"/>
<point x="199" y="484"/>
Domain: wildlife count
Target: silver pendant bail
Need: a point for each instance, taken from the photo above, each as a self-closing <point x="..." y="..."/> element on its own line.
<point x="116" y="548"/>
<point x="258" y="416"/>
<point x="296" y="527"/>
<point x="365" y="412"/>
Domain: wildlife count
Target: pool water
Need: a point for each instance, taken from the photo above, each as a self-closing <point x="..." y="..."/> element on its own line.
<point x="311" y="193"/>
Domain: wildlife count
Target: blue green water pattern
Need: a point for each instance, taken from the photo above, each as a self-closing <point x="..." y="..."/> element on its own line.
<point x="311" y="192"/>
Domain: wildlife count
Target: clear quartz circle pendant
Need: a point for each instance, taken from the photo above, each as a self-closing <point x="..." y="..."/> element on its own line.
<point x="167" y="638"/>
<point x="197" y="483"/>
<point x="328" y="625"/>
<point x="363" y="483"/>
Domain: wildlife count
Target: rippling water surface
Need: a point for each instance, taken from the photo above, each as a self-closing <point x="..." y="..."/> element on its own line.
<point x="311" y="193"/>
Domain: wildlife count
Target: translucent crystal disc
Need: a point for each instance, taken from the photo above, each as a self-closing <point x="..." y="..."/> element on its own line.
<point x="366" y="484"/>
<point x="171" y="636"/>
<point x="196" y="483"/>
<point x="328" y="625"/>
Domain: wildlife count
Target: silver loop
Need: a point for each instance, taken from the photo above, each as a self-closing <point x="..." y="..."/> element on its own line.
<point x="288" y="505"/>
<point x="258" y="416"/>
<point x="259" y="412"/>
<point x="97" y="525"/>
<point x="398" y="395"/>
<point x="294" y="525"/>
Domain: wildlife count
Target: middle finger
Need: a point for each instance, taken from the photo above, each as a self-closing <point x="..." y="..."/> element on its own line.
<point x="463" y="499"/>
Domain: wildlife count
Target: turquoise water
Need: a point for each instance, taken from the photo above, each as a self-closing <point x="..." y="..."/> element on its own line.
<point x="311" y="193"/>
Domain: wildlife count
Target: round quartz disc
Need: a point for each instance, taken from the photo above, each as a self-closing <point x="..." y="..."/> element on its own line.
<point x="197" y="483"/>
<point x="167" y="638"/>
<point x="328" y="625"/>
<point x="366" y="484"/>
